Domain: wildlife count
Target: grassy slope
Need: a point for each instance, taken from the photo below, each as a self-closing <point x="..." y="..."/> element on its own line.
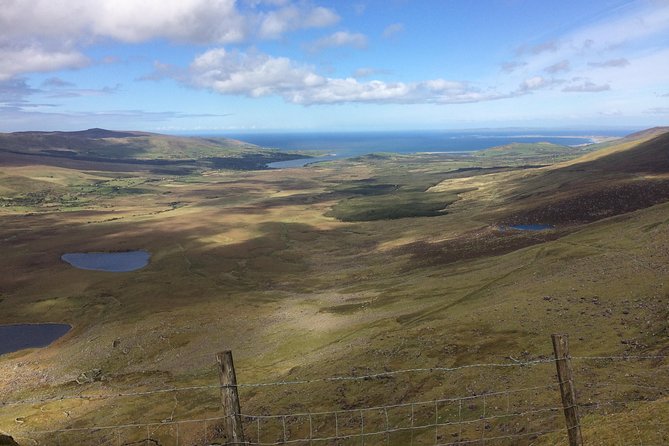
<point x="538" y="152"/>
<point x="249" y="261"/>
<point x="122" y="145"/>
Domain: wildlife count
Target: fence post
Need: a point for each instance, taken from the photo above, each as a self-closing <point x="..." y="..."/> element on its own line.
<point x="230" y="399"/>
<point x="563" y="364"/>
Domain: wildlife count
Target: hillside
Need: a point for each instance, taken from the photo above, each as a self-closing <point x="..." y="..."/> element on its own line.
<point x="131" y="147"/>
<point x="349" y="269"/>
<point x="535" y="152"/>
<point x="630" y="174"/>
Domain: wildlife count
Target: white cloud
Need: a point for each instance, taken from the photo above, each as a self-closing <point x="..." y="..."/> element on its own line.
<point x="274" y="24"/>
<point x="46" y="35"/>
<point x="628" y="37"/>
<point x="257" y="75"/>
<point x="392" y="30"/>
<point x="14" y="61"/>
<point x="533" y="83"/>
<point x="338" y="39"/>
<point x="124" y="20"/>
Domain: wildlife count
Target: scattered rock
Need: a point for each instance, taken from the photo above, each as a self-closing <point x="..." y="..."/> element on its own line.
<point x="90" y="376"/>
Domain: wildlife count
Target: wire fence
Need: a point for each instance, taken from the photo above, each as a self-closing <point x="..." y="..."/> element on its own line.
<point x="510" y="416"/>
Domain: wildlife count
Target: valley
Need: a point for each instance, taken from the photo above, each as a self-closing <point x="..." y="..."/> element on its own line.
<point x="359" y="266"/>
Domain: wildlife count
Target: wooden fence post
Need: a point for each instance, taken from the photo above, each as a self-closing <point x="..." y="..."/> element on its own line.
<point x="230" y="399"/>
<point x="563" y="364"/>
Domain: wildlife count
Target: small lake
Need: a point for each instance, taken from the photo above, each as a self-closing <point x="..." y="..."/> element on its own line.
<point x="116" y="262"/>
<point x="16" y="337"/>
<point x="531" y="227"/>
<point x="300" y="162"/>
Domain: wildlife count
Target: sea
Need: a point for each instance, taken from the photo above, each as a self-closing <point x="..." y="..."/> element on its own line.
<point x="337" y="145"/>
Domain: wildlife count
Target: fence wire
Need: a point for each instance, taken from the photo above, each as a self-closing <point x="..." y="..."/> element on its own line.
<point x="464" y="421"/>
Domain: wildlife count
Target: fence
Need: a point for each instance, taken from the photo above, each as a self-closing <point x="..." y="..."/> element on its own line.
<point x="540" y="414"/>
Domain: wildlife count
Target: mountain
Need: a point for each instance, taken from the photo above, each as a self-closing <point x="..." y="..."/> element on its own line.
<point x="93" y="148"/>
<point x="121" y="145"/>
<point x="631" y="174"/>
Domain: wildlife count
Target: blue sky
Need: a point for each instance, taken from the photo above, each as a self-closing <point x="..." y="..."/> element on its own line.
<point x="308" y="65"/>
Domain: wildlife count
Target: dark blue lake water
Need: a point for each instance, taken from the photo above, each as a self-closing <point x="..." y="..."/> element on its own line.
<point x="16" y="337"/>
<point x="117" y="262"/>
<point x="532" y="227"/>
<point x="359" y="143"/>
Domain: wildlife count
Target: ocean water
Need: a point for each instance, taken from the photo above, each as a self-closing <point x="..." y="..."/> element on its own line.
<point x="348" y="144"/>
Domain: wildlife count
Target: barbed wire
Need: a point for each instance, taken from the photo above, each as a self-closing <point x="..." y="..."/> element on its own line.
<point x="325" y="379"/>
<point x="416" y="403"/>
<point x="275" y="383"/>
<point x="107" y="395"/>
<point x="398" y="372"/>
<point x="402" y="429"/>
<point x="383" y="410"/>
<point x="130" y="425"/>
<point x="311" y="437"/>
<point x="618" y="358"/>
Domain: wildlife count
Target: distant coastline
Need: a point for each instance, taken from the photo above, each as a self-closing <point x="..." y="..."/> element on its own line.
<point x="349" y="144"/>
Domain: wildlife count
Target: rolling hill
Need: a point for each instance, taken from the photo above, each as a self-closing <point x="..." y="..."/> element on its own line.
<point x="630" y="174"/>
<point x="165" y="152"/>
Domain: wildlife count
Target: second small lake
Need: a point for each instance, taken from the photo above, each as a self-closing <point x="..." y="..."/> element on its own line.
<point x="15" y="337"/>
<point x="301" y="162"/>
<point x="531" y="227"/>
<point x="117" y="262"/>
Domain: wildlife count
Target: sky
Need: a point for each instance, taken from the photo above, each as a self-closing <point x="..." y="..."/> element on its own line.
<point x="204" y="66"/>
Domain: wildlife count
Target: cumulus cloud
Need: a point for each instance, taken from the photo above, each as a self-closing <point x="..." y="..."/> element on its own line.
<point x="47" y="35"/>
<point x="612" y="63"/>
<point x="586" y="87"/>
<point x="182" y="20"/>
<point x="274" y="24"/>
<point x="257" y="75"/>
<point x="338" y="39"/>
<point x="393" y="30"/>
<point x="14" y="61"/>
<point x="558" y="67"/>
<point x="192" y="21"/>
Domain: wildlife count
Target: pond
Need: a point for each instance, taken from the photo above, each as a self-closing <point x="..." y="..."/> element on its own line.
<point x="301" y="162"/>
<point x="117" y="262"/>
<point x="531" y="227"/>
<point x="15" y="337"/>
